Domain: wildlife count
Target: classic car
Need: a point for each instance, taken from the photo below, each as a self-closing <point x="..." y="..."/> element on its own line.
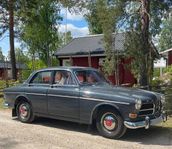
<point x="83" y="95"/>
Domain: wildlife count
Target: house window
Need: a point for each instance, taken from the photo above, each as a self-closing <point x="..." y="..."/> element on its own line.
<point x="101" y="61"/>
<point x="66" y="62"/>
<point x="9" y="73"/>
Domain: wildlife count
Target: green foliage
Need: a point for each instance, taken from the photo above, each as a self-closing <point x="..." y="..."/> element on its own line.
<point x="1" y="55"/>
<point x="168" y="104"/>
<point x="3" y="17"/>
<point x="112" y="16"/>
<point x="156" y="82"/>
<point x="134" y="51"/>
<point x="1" y="102"/>
<point x="65" y="38"/>
<point x="7" y="83"/>
<point x="158" y="11"/>
<point x="109" y="15"/>
<point x="93" y="20"/>
<point x="40" y="28"/>
<point x="165" y="41"/>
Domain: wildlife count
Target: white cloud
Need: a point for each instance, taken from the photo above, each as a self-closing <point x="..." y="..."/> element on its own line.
<point x="17" y="44"/>
<point x="76" y="31"/>
<point x="72" y="16"/>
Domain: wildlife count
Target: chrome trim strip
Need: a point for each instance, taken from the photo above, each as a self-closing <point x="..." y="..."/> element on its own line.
<point x="13" y="92"/>
<point x="86" y="98"/>
<point x="96" y="99"/>
<point x="36" y="94"/>
<point x="62" y="96"/>
<point x="147" y="109"/>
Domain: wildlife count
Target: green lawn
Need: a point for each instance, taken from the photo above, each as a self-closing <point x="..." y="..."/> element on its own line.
<point x="1" y="103"/>
<point x="168" y="124"/>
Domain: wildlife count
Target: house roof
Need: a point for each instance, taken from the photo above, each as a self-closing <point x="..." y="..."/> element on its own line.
<point x="93" y="44"/>
<point x="166" y="51"/>
<point x="8" y="65"/>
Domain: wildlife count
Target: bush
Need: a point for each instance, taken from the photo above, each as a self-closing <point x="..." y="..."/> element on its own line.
<point x="168" y="105"/>
<point x="4" y="84"/>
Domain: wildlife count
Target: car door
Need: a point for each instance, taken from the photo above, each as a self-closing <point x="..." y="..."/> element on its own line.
<point x="63" y="99"/>
<point x="37" y="91"/>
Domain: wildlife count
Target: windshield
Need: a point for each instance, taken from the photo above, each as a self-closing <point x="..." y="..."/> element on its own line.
<point x="90" y="77"/>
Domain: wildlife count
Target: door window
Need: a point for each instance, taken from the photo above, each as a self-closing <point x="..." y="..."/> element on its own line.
<point x="63" y="77"/>
<point x="42" y="78"/>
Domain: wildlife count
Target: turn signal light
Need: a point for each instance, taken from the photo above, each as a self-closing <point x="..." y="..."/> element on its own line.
<point x="132" y="115"/>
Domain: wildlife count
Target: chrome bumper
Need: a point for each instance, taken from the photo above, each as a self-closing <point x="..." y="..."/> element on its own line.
<point x="146" y="123"/>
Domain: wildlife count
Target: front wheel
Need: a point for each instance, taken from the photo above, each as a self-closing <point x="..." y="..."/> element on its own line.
<point x="24" y="112"/>
<point x="110" y="124"/>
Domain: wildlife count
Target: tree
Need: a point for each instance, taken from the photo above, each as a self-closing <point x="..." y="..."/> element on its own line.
<point x="11" y="31"/>
<point x="65" y="38"/>
<point x="93" y="20"/>
<point x="1" y="55"/>
<point x="7" y="22"/>
<point x="40" y="28"/>
<point x="165" y="41"/>
<point x="146" y="22"/>
<point x="140" y="20"/>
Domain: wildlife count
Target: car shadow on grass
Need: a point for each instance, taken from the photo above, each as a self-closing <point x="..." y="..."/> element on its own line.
<point x="156" y="135"/>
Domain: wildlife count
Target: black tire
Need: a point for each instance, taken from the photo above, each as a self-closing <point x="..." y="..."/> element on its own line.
<point x="110" y="124"/>
<point x="24" y="112"/>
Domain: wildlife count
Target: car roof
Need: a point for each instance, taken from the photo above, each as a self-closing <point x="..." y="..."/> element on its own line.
<point x="67" y="68"/>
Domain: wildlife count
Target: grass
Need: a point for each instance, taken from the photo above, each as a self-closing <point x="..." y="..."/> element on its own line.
<point x="1" y="103"/>
<point x="168" y="124"/>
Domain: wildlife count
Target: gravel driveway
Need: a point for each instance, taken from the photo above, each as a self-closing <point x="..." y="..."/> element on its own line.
<point x="54" y="134"/>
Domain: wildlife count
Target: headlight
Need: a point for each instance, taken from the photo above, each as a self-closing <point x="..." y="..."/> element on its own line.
<point x="163" y="99"/>
<point x="138" y="104"/>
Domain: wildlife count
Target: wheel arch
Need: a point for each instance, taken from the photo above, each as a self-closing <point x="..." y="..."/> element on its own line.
<point x="21" y="98"/>
<point x="103" y="106"/>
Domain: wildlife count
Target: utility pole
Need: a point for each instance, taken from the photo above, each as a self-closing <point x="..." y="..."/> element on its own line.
<point x="145" y="8"/>
<point x="11" y="31"/>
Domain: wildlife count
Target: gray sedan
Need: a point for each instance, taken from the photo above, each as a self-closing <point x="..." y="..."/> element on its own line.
<point x="83" y="95"/>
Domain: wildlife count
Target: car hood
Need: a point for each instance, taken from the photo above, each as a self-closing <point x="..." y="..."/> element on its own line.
<point x="116" y="92"/>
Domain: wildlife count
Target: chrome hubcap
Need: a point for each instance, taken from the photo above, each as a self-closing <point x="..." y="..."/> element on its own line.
<point x="23" y="111"/>
<point x="109" y="122"/>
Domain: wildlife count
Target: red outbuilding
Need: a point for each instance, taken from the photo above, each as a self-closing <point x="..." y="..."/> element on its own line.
<point x="168" y="55"/>
<point x="5" y="69"/>
<point x="89" y="52"/>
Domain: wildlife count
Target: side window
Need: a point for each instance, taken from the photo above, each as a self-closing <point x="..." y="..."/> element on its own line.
<point x="42" y="78"/>
<point x="63" y="77"/>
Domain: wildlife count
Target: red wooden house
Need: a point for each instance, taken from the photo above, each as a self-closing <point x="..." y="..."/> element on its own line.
<point x="168" y="55"/>
<point x="89" y="51"/>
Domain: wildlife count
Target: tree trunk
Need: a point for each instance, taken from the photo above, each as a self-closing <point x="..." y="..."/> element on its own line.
<point x="145" y="38"/>
<point x="11" y="31"/>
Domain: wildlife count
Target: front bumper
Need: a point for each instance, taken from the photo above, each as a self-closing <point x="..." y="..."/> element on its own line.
<point x="146" y="123"/>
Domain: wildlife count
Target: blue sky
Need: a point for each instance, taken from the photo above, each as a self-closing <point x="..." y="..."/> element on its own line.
<point x="75" y="23"/>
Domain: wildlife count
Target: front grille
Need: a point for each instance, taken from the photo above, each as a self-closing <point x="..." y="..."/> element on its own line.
<point x="146" y="109"/>
<point x="151" y="108"/>
<point x="158" y="108"/>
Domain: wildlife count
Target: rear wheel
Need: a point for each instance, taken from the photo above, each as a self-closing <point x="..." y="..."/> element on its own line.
<point x="110" y="124"/>
<point x="24" y="112"/>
